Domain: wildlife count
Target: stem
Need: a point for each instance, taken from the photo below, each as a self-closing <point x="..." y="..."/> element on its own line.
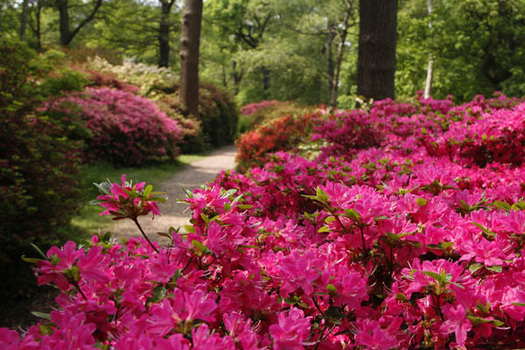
<point x="77" y="287"/>
<point x="363" y="239"/>
<point x="136" y="221"/>
<point x="317" y="307"/>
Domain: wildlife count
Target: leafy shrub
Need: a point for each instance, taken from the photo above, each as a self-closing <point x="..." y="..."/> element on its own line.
<point x="147" y="78"/>
<point x="126" y="129"/>
<point x="218" y="115"/>
<point x="388" y="247"/>
<point x="259" y="113"/>
<point x="39" y="191"/>
<point x="280" y="134"/>
<point x="38" y="162"/>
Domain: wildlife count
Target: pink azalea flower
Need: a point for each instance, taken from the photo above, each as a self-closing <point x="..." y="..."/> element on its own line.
<point x="456" y="322"/>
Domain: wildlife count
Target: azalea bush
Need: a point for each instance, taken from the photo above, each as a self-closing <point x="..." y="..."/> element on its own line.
<point x="385" y="247"/>
<point x="283" y="133"/>
<point x="255" y="114"/>
<point x="125" y="129"/>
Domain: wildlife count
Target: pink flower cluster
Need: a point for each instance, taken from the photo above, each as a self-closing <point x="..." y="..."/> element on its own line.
<point x="253" y="108"/>
<point x="126" y="129"/>
<point x="386" y="247"/>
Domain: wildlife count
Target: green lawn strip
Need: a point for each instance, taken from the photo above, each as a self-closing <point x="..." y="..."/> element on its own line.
<point x="88" y="220"/>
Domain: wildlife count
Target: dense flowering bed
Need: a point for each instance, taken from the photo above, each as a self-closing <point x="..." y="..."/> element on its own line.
<point x="406" y="244"/>
<point x="124" y="129"/>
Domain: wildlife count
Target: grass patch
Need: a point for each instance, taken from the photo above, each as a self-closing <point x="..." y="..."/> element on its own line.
<point x="89" y="220"/>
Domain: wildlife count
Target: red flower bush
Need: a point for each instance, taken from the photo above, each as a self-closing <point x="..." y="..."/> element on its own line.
<point x="125" y="129"/>
<point x="279" y="134"/>
<point x="388" y="247"/>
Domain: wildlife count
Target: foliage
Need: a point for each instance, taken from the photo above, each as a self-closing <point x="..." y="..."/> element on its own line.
<point x="258" y="113"/>
<point x="39" y="190"/>
<point x="38" y="162"/>
<point x="126" y="129"/>
<point x="285" y="133"/>
<point x="386" y="247"/>
<point x="475" y="44"/>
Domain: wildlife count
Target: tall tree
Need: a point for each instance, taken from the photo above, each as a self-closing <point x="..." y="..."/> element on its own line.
<point x="377" y="48"/>
<point x="334" y="74"/>
<point x="66" y="33"/>
<point x="23" y="19"/>
<point x="164" y="32"/>
<point x="430" y="64"/>
<point x="189" y="55"/>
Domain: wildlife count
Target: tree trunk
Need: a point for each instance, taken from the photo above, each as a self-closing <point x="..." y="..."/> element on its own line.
<point x="340" y="52"/>
<point x="265" y="80"/>
<point x="63" y="14"/>
<point x="66" y="34"/>
<point x="330" y="36"/>
<point x="38" y="30"/>
<point x="376" y="61"/>
<point x="23" y="20"/>
<point x="164" y="33"/>
<point x="189" y="56"/>
<point x="430" y="64"/>
<point x="237" y="77"/>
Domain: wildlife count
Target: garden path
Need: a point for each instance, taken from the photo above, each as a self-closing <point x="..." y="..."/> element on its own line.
<point x="174" y="214"/>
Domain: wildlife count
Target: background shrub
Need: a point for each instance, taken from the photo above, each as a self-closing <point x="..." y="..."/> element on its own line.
<point x="39" y="191"/>
<point x="126" y="129"/>
<point x="254" y="114"/>
<point x="281" y="134"/>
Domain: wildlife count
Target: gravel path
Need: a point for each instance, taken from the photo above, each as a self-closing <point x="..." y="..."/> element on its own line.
<point x="174" y="213"/>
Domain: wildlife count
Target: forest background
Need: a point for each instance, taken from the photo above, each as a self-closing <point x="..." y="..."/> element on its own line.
<point x="292" y="50"/>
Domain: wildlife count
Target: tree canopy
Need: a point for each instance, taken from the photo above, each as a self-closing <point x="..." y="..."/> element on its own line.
<point x="303" y="50"/>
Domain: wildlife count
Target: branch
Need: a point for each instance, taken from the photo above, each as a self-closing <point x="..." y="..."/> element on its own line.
<point x="85" y="21"/>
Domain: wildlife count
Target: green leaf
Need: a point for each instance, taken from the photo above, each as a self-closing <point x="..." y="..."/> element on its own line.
<point x="164" y="234"/>
<point x="435" y="276"/>
<point x="495" y="268"/>
<point x="502" y="205"/>
<point x="321" y="196"/>
<point x="475" y="267"/>
<point x="519" y="304"/>
<point x="189" y="228"/>
<point x="147" y="191"/>
<point x="324" y="229"/>
<point x="331" y="288"/>
<point x="30" y="260"/>
<point x="479" y="320"/>
<point x="421" y="202"/>
<point x="38" y="250"/>
<point x="159" y="292"/>
<point x="43" y="315"/>
<point x="401" y="297"/>
<point x="244" y="206"/>
<point x="352" y="214"/>
<point x="157" y="199"/>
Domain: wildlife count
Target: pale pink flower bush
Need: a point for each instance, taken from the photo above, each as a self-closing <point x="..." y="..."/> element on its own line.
<point x="126" y="129"/>
<point x="404" y="244"/>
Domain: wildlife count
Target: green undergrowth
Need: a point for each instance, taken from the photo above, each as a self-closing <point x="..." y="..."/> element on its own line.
<point x="89" y="219"/>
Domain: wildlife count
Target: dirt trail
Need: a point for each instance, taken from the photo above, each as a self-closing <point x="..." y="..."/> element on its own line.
<point x="173" y="213"/>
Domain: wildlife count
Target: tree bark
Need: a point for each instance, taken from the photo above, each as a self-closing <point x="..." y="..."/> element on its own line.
<point x="430" y="64"/>
<point x="340" y="52"/>
<point x="265" y="80"/>
<point x="237" y="77"/>
<point x="23" y="20"/>
<point x="164" y="33"/>
<point x="63" y="15"/>
<point x="38" y="30"/>
<point x="66" y="34"/>
<point x="330" y="37"/>
<point x="189" y="56"/>
<point x="377" y="49"/>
